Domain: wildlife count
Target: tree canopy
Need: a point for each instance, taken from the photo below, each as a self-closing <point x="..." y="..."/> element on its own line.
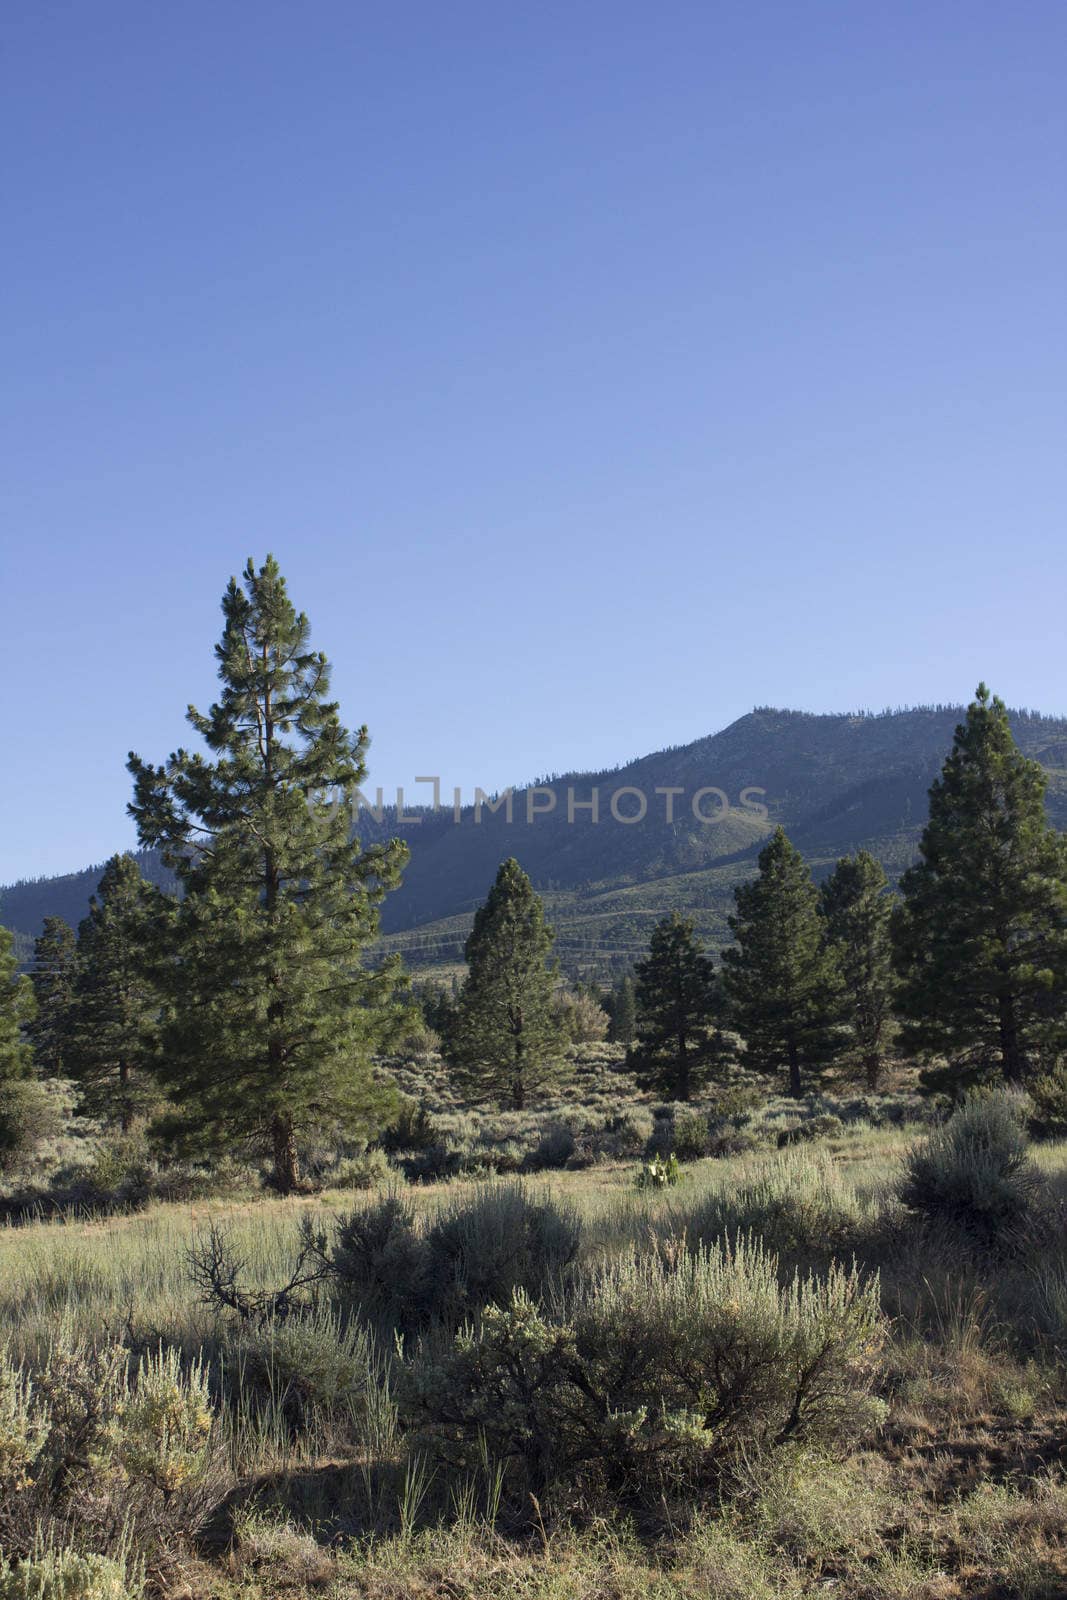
<point x="783" y="983"/>
<point x="677" y="1001"/>
<point x="981" y="935"/>
<point x="507" y="1039"/>
<point x="272" y="1014"/>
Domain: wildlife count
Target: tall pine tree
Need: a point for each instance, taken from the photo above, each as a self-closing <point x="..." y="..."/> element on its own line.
<point x="677" y="1001"/>
<point x="19" y="1093"/>
<point x="858" y="910"/>
<point x="273" y="1017"/>
<point x="981" y="936"/>
<point x="113" y="1026"/>
<point x="782" y="978"/>
<point x="55" y="966"/>
<point x="506" y="1040"/>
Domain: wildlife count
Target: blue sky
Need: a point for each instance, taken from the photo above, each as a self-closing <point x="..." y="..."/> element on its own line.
<point x="595" y="371"/>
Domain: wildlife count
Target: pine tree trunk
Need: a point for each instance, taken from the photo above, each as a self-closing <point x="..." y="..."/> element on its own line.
<point x="682" y="1083"/>
<point x="1013" y="1062"/>
<point x="872" y="1066"/>
<point x="286" y="1165"/>
<point x="518" y="1067"/>
<point x="795" y="1088"/>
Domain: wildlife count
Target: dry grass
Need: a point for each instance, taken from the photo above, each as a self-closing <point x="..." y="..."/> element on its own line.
<point x="961" y="1497"/>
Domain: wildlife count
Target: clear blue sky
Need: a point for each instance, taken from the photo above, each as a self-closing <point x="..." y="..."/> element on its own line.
<point x="595" y="371"/>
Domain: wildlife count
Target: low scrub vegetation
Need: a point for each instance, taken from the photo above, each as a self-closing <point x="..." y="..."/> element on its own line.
<point x="839" y="1359"/>
<point x="652" y="1379"/>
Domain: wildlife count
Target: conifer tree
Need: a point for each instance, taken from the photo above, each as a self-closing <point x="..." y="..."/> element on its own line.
<point x="980" y="936"/>
<point x="507" y="1040"/>
<point x="273" y="1016"/>
<point x="676" y="994"/>
<point x="858" y="911"/>
<point x="16" y="1011"/>
<point x="113" y="1027"/>
<point x="55" y="965"/>
<point x="623" y="1013"/>
<point x="19" y="1093"/>
<point x="782" y="979"/>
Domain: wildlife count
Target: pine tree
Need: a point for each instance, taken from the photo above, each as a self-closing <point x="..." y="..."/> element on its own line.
<point x="19" y="1093"/>
<point x="113" y="1026"/>
<point x="782" y="980"/>
<point x="16" y="1011"/>
<point x="676" y="1040"/>
<point x="507" y="1041"/>
<point x="273" y="1018"/>
<point x="980" y="936"/>
<point x="623" y="1013"/>
<point x="858" y="911"/>
<point x="55" y="965"/>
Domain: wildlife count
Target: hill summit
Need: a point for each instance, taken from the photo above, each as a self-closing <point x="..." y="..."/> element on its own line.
<point x="612" y="850"/>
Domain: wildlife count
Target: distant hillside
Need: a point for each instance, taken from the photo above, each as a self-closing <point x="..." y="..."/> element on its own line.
<point x="835" y="782"/>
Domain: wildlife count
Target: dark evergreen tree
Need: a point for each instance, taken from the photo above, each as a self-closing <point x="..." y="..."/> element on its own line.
<point x="19" y="1093"/>
<point x="507" y="1040"/>
<point x="273" y="1018"/>
<point x="113" y="1023"/>
<point x="782" y="978"/>
<point x="677" y="1001"/>
<point x="623" y="1013"/>
<point x="858" y="910"/>
<point x="438" y="1007"/>
<point x="16" y="1012"/>
<point x="55" y="966"/>
<point x="980" y="935"/>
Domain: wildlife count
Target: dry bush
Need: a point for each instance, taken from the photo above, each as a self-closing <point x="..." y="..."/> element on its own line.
<point x="584" y="1020"/>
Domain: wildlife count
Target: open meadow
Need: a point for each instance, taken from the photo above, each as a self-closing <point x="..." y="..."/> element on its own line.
<point x="824" y="1368"/>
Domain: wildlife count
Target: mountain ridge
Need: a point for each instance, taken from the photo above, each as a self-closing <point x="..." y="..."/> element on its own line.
<point x="836" y="781"/>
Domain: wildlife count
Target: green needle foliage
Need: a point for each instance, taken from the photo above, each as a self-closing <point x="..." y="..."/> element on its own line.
<point x="16" y="1010"/>
<point x="55" y="967"/>
<point x="113" y="1029"/>
<point x="677" y="1000"/>
<point x="858" y="913"/>
<point x="272" y="1018"/>
<point x="782" y="979"/>
<point x="19" y="1095"/>
<point x="981" y="937"/>
<point x="507" y="1040"/>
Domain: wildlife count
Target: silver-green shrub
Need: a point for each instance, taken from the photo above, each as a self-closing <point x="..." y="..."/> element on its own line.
<point x="66" y="1574"/>
<point x="308" y="1368"/>
<point x="797" y="1202"/>
<point x="93" y="1455"/>
<point x="475" y="1252"/>
<point x="974" y="1175"/>
<point x="484" y="1246"/>
<point x="655" y="1376"/>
